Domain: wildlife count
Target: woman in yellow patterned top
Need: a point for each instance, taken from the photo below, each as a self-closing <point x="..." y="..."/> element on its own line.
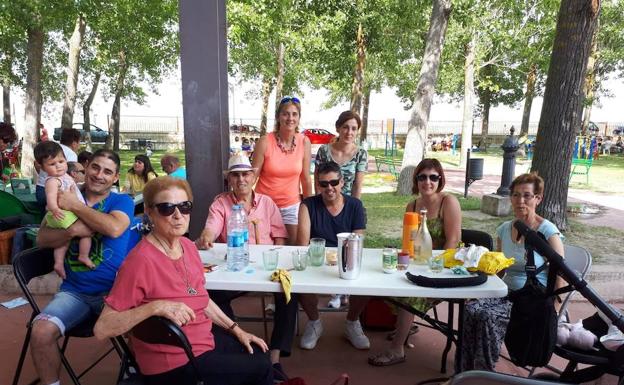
<point x="444" y="224"/>
<point x="140" y="173"/>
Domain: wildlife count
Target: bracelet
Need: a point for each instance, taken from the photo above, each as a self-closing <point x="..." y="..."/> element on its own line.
<point x="231" y="328"/>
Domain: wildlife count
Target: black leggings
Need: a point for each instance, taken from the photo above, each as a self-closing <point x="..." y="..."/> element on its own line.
<point x="228" y="364"/>
<point x="284" y="319"/>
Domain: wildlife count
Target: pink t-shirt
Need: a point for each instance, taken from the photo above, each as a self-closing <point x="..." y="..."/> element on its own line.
<point x="263" y="211"/>
<point x="148" y="275"/>
<point x="280" y="175"/>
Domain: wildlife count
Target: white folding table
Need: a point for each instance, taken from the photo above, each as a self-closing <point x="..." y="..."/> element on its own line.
<point x="372" y="282"/>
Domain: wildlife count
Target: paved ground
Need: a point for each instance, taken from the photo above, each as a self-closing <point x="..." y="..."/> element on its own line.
<point x="332" y="356"/>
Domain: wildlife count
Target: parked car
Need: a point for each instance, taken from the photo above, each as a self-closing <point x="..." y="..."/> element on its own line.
<point x="318" y="135"/>
<point x="619" y="130"/>
<point x="98" y="135"/>
<point x="245" y="128"/>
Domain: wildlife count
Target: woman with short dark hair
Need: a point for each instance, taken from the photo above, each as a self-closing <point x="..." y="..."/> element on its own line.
<point x="486" y="320"/>
<point x="444" y="224"/>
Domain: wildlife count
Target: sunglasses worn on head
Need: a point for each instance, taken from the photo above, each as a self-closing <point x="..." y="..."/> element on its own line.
<point x="326" y="183"/>
<point x="166" y="209"/>
<point x="287" y="99"/>
<point x="432" y="177"/>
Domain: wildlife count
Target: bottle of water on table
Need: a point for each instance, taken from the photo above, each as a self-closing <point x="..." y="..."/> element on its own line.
<point x="235" y="241"/>
<point x="244" y="224"/>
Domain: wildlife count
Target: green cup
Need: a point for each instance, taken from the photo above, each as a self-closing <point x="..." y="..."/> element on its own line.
<point x="316" y="250"/>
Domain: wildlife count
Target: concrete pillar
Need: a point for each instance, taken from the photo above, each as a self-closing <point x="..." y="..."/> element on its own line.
<point x="203" y="58"/>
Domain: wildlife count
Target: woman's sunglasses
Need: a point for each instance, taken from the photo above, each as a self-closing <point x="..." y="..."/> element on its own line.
<point x="432" y="177"/>
<point x="326" y="183"/>
<point x="166" y="209"/>
<point x="287" y="99"/>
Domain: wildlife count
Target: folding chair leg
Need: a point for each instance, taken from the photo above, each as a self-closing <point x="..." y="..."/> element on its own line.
<point x="20" y="363"/>
<point x="449" y="336"/>
<point x="264" y="318"/>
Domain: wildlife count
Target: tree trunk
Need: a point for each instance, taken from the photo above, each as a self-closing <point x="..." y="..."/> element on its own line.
<point x="32" y="101"/>
<point x="469" y="70"/>
<point x="358" y="73"/>
<point x="563" y="104"/>
<point x="73" y="68"/>
<point x="266" y="93"/>
<point x="279" y="78"/>
<point x="589" y="86"/>
<point x="528" y="99"/>
<point x="86" y="112"/>
<point x="6" y="101"/>
<point x="113" y="128"/>
<point x="417" y="126"/>
<point x="485" y="119"/>
<point x="365" y="105"/>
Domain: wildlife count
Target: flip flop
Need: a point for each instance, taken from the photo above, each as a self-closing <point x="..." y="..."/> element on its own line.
<point x="385" y="359"/>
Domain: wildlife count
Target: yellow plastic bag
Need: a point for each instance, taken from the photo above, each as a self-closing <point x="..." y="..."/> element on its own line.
<point x="490" y="263"/>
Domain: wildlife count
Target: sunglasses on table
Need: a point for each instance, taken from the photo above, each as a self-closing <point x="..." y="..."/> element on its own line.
<point x="166" y="209"/>
<point x="326" y="183"/>
<point x="287" y="99"/>
<point x="431" y="177"/>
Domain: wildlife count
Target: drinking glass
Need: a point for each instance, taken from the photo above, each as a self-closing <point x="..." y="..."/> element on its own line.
<point x="436" y="263"/>
<point x="300" y="259"/>
<point x="316" y="251"/>
<point x="269" y="259"/>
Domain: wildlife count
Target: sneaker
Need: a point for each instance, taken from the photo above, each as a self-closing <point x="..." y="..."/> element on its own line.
<point x="355" y="335"/>
<point x="334" y="302"/>
<point x="311" y="334"/>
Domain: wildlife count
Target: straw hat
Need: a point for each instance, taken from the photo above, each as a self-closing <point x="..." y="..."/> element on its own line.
<point x="238" y="162"/>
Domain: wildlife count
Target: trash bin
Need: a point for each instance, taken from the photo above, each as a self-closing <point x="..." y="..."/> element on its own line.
<point x="475" y="167"/>
<point x="134" y="145"/>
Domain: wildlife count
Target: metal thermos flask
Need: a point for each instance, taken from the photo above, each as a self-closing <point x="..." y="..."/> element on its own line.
<point x="350" y="246"/>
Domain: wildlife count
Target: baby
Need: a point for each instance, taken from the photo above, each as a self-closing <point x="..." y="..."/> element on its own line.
<point x="52" y="160"/>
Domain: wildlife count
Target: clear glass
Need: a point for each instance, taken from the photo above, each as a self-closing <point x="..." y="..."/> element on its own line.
<point x="269" y="259"/>
<point x="389" y="259"/>
<point x="317" y="251"/>
<point x="331" y="257"/>
<point x="300" y="259"/>
<point x="436" y="263"/>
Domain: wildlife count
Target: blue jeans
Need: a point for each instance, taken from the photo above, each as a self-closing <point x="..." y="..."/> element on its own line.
<point x="68" y="309"/>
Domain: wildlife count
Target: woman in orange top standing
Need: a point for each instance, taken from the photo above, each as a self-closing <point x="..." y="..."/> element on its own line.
<point x="282" y="159"/>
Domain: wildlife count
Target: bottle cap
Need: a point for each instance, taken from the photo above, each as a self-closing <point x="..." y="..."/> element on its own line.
<point x="410" y="218"/>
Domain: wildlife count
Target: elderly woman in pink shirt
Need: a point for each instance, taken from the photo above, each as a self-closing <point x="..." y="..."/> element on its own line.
<point x="265" y="228"/>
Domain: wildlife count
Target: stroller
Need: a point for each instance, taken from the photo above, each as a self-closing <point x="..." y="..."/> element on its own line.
<point x="598" y="362"/>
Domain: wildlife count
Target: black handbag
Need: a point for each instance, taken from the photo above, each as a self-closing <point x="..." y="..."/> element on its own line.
<point x="532" y="331"/>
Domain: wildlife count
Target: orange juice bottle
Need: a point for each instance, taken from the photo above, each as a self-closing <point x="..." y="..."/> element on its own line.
<point x="410" y="224"/>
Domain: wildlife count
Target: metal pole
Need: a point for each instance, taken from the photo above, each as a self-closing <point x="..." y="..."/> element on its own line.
<point x="203" y="58"/>
<point x="466" y="179"/>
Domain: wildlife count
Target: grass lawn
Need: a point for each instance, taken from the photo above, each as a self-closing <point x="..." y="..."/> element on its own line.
<point x="385" y="209"/>
<point x="606" y="174"/>
<point x="385" y="216"/>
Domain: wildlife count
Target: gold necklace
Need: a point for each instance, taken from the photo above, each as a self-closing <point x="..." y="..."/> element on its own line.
<point x="185" y="277"/>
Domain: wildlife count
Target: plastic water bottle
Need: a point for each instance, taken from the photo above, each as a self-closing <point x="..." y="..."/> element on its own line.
<point x="235" y="241"/>
<point x="244" y="224"/>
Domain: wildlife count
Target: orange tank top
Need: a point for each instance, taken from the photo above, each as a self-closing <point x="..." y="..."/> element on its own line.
<point x="280" y="174"/>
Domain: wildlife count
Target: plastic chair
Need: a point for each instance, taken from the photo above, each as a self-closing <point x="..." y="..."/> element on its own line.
<point x="160" y="330"/>
<point x="37" y="262"/>
<point x="477" y="237"/>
